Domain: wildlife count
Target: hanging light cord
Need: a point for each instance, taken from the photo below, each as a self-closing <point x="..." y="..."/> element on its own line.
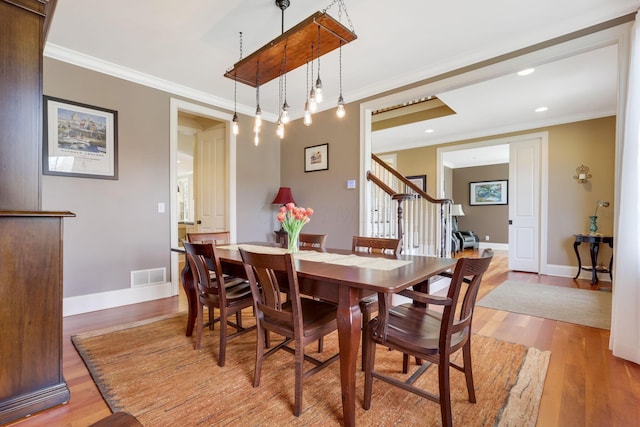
<point x="340" y="66"/>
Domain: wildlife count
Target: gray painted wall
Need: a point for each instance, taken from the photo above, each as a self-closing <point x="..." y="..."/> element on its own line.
<point x="336" y="207"/>
<point x="117" y="228"/>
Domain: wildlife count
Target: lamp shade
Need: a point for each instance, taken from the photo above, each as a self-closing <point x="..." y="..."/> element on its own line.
<point x="283" y="197"/>
<point x="456" y="210"/>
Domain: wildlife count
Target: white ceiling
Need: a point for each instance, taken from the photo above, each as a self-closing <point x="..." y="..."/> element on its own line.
<point x="185" y="48"/>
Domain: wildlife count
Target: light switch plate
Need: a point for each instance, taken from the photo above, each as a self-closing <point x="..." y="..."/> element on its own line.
<point x="351" y="184"/>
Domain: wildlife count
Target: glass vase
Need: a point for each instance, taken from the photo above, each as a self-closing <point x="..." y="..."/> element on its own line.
<point x="593" y="226"/>
<point x="293" y="242"/>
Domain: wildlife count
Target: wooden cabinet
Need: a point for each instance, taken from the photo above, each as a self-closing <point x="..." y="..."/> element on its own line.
<point x="30" y="240"/>
<point x="23" y="26"/>
<point x="31" y="313"/>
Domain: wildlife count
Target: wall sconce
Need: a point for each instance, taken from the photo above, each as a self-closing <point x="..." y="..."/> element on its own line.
<point x="582" y="174"/>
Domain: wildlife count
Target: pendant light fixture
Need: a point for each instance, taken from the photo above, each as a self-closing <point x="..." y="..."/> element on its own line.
<point x="287" y="52"/>
<point x="284" y="114"/>
<point x="313" y="106"/>
<point x="235" y="127"/>
<point x="319" y="82"/>
<point x="307" y="112"/>
<point x="258" y="122"/>
<point x="340" y="110"/>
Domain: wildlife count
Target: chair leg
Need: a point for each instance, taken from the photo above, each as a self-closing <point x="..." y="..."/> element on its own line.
<point x="320" y="344"/>
<point x="445" y="390"/>
<point x="468" y="371"/>
<point x="261" y="334"/>
<point x="297" y="400"/>
<point x="366" y="317"/>
<point x="199" y="320"/>
<point x="370" y="353"/>
<point x="222" y="350"/>
<point x="239" y="319"/>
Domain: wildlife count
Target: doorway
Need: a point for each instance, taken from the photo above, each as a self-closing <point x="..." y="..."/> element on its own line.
<point x="527" y="189"/>
<point x="221" y="123"/>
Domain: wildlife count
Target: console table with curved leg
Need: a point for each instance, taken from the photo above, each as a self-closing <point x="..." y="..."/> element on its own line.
<point x="594" y="241"/>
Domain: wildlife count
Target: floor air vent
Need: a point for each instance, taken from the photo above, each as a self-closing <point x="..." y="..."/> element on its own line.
<point x="151" y="276"/>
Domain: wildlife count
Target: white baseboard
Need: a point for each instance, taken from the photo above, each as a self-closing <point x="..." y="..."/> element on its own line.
<point x="101" y="301"/>
<point x="496" y="246"/>
<point x="570" y="271"/>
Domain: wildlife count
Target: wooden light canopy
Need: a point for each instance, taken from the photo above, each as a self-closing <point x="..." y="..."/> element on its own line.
<point x="267" y="63"/>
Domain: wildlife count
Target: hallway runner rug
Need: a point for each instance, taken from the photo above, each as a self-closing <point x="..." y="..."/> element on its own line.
<point x="579" y="306"/>
<point x="152" y="370"/>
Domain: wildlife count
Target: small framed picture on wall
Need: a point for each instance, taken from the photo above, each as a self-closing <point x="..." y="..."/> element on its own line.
<point x="488" y="193"/>
<point x="316" y="158"/>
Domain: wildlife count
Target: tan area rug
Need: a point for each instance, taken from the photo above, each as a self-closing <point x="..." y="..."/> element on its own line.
<point x="579" y="306"/>
<point x="151" y="370"/>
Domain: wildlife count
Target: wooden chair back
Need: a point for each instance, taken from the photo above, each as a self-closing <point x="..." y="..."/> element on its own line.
<point x="270" y="276"/>
<point x="200" y="257"/>
<point x="312" y="240"/>
<point x="376" y="245"/>
<point x="215" y="237"/>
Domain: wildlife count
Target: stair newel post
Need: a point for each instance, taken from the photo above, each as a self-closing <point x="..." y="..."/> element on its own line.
<point x="400" y="198"/>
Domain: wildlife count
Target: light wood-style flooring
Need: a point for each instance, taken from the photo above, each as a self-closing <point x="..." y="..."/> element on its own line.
<point x="585" y="384"/>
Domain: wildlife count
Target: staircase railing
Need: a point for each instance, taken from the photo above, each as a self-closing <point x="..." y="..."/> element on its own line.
<point x="397" y="207"/>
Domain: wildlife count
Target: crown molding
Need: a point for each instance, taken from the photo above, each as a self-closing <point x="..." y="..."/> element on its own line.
<point x="101" y="66"/>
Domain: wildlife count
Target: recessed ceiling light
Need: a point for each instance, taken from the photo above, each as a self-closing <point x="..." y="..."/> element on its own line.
<point x="526" y="71"/>
<point x="428" y="131"/>
<point x="541" y="109"/>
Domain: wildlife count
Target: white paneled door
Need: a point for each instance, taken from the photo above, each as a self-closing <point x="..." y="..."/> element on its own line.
<point x="210" y="181"/>
<point x="524" y="205"/>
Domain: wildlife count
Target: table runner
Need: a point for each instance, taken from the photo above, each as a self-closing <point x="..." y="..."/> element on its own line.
<point x="374" y="263"/>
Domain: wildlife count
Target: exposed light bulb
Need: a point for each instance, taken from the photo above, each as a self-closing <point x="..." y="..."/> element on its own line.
<point x="312" y="101"/>
<point x="307" y="114"/>
<point x="235" y="127"/>
<point x="285" y="113"/>
<point x="280" y="129"/>
<point x="340" y="112"/>
<point x="258" y="123"/>
<point x="319" y="90"/>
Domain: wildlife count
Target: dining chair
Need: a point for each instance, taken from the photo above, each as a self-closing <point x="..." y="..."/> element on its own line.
<point x="296" y="318"/>
<point x="372" y="245"/>
<point x="229" y="296"/>
<point x="431" y="335"/>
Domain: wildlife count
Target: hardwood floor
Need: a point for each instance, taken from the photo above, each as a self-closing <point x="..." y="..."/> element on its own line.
<point x="585" y="384"/>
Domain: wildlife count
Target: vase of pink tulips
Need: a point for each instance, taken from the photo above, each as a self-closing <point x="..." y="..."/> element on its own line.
<point x="292" y="218"/>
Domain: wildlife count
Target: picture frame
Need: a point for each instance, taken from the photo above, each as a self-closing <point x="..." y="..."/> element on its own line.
<point x="316" y="158"/>
<point x="79" y="140"/>
<point x="418" y="180"/>
<point x="488" y="193"/>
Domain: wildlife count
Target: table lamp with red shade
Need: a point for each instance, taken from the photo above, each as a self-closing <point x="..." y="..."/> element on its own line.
<point x="283" y="197"/>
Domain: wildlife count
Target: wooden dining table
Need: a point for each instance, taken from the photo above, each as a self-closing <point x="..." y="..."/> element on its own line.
<point x="344" y="285"/>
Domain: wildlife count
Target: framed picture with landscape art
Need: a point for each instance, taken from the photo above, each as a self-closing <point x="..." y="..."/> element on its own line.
<point x="316" y="158"/>
<point x="488" y="193"/>
<point x="79" y="140"/>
